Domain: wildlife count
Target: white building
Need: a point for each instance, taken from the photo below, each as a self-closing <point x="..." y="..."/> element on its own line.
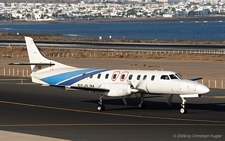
<point x="164" y="1"/>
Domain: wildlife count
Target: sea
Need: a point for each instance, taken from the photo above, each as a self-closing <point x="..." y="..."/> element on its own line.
<point x="167" y="31"/>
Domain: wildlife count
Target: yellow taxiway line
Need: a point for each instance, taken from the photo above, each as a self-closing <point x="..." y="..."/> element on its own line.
<point x="214" y="96"/>
<point x="220" y="123"/>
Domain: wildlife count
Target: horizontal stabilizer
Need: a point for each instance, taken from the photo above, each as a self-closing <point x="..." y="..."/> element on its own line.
<point x="48" y="64"/>
<point x="194" y="79"/>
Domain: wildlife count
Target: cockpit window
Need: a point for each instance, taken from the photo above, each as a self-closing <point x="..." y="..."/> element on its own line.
<point x="178" y="76"/>
<point x="172" y="76"/>
<point x="165" y="77"/>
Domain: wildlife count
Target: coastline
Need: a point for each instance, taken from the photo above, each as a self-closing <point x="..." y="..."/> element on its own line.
<point x="56" y="37"/>
<point x="159" y="19"/>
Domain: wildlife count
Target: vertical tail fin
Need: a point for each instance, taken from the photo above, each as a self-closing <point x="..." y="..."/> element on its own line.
<point x="33" y="52"/>
<point x="38" y="62"/>
<point x="40" y="66"/>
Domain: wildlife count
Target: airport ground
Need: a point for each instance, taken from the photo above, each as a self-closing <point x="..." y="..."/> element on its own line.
<point x="33" y="112"/>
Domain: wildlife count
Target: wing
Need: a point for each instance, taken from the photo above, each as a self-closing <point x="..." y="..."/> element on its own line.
<point x="194" y="79"/>
<point x="25" y="63"/>
<point x="87" y="89"/>
<point x="113" y="90"/>
<point x="90" y="89"/>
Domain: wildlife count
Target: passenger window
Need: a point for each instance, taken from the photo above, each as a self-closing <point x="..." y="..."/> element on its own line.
<point x="123" y="76"/>
<point x="145" y="76"/>
<point x="106" y="76"/>
<point x="130" y="77"/>
<point x="91" y="75"/>
<point x="114" y="76"/>
<point x="99" y="76"/>
<point x="153" y="77"/>
<point x="165" y="77"/>
<point x="138" y="77"/>
<point x="83" y="76"/>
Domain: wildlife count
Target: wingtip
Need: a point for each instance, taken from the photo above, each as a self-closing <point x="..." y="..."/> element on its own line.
<point x="28" y="38"/>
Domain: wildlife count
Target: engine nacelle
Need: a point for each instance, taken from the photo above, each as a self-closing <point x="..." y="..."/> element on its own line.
<point x="118" y="89"/>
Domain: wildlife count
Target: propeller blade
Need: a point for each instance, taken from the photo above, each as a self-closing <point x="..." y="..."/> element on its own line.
<point x="134" y="90"/>
<point x="124" y="101"/>
<point x="169" y="100"/>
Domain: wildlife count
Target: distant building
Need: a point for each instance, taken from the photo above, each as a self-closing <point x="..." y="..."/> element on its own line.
<point x="147" y="1"/>
<point x="1" y="8"/>
<point x="167" y="15"/>
<point x="165" y="1"/>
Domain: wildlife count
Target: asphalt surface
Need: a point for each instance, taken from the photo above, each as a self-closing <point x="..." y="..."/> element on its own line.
<point x="32" y="112"/>
<point x="116" y="46"/>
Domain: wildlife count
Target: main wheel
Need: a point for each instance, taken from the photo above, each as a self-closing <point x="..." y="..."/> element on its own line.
<point x="100" y="107"/>
<point x="183" y="110"/>
<point x="142" y="106"/>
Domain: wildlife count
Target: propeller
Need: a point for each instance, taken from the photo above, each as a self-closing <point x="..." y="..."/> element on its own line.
<point x="124" y="101"/>
<point x="134" y="88"/>
<point x="135" y="84"/>
<point x="170" y="98"/>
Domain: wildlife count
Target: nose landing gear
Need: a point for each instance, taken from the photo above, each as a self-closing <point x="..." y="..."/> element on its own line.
<point x="100" y="106"/>
<point x="183" y="110"/>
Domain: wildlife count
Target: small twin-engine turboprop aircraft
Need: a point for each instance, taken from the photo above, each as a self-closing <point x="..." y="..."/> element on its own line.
<point x="111" y="82"/>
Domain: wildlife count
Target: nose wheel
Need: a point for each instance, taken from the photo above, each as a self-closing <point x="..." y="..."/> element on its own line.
<point x="101" y="107"/>
<point x="183" y="110"/>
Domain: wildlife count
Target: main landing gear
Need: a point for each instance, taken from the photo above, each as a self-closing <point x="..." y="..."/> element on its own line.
<point x="101" y="106"/>
<point x="183" y="110"/>
<point x="142" y="105"/>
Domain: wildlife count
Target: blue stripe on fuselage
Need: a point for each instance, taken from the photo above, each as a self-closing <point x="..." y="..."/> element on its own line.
<point x="67" y="78"/>
<point x="79" y="78"/>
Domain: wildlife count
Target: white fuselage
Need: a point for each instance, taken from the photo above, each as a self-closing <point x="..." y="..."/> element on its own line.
<point x="145" y="81"/>
<point x="108" y="82"/>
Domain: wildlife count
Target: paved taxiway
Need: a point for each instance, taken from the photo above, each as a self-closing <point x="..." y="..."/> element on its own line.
<point x="113" y="45"/>
<point x="31" y="111"/>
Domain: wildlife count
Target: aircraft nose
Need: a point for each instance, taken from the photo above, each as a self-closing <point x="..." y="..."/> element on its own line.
<point x="202" y="89"/>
